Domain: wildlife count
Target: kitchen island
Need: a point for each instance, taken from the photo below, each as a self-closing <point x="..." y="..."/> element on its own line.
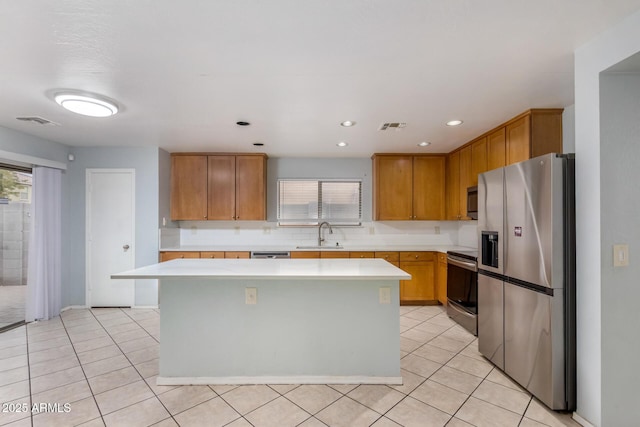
<point x="285" y="321"/>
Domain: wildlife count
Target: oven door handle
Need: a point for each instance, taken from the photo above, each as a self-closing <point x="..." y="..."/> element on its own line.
<point x="462" y="263"/>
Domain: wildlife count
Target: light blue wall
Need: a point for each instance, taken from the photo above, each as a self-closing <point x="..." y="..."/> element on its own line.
<point x="145" y="161"/>
<point x="290" y="167"/>
<point x="620" y="151"/>
<point x="22" y="143"/>
<point x="609" y="48"/>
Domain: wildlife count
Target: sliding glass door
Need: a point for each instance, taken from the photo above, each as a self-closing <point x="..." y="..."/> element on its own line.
<point x="15" y="220"/>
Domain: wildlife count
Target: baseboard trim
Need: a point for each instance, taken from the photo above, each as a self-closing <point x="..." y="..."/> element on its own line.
<point x="278" y="380"/>
<point x="145" y="306"/>
<point x="577" y="418"/>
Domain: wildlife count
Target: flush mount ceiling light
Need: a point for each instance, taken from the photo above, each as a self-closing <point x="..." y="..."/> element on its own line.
<point x="454" y="122"/>
<point x="424" y="144"/>
<point x="348" y="123"/>
<point x="241" y="123"/>
<point x="342" y="144"/>
<point x="87" y="105"/>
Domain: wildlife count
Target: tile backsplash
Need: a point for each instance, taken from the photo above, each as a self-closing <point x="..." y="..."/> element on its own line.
<point x="260" y="233"/>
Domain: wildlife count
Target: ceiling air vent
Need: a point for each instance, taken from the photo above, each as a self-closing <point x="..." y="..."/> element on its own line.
<point x="392" y="125"/>
<point x="37" y="120"/>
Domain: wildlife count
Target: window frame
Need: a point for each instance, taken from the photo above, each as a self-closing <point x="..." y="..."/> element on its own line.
<point x="314" y="222"/>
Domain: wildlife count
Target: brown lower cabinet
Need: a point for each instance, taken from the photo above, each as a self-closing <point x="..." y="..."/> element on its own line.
<point x="441" y="277"/>
<point x="428" y="284"/>
<point x="168" y="256"/>
<point x="420" y="289"/>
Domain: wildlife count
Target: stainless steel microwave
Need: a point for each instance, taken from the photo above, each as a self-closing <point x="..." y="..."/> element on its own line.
<point x="472" y="202"/>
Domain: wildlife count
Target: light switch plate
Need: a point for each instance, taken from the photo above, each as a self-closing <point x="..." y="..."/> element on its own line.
<point x="250" y="296"/>
<point x="620" y="255"/>
<point x="385" y="295"/>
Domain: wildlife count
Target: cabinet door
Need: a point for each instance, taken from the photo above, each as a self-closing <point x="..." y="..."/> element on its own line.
<point x="518" y="140"/>
<point x="251" y="188"/>
<point x="393" y="187"/>
<point x="496" y="154"/>
<point x="212" y="255"/>
<point x="478" y="160"/>
<point x="305" y="254"/>
<point x="361" y="255"/>
<point x="222" y="183"/>
<point x="168" y="256"/>
<point x="189" y="188"/>
<point x="453" y="186"/>
<point x="334" y="254"/>
<point x="429" y="188"/>
<point x="392" y="257"/>
<point x="420" y="289"/>
<point x="237" y="255"/>
<point x="441" y="278"/>
<point x="465" y="179"/>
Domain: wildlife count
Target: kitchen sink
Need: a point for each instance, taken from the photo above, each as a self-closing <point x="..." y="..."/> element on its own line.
<point x="319" y="247"/>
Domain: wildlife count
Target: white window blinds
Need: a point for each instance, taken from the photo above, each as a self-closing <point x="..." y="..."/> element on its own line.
<point x="309" y="202"/>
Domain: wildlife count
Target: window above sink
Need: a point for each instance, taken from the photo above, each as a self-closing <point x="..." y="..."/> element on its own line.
<point x="308" y="202"/>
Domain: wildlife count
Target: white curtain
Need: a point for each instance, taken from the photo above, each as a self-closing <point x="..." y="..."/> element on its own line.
<point x="44" y="274"/>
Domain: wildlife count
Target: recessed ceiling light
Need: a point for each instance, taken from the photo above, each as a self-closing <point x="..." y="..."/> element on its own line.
<point x="243" y="123"/>
<point x="454" y="122"/>
<point x="348" y="123"/>
<point x="342" y="144"/>
<point x="87" y="105"/>
<point x="424" y="144"/>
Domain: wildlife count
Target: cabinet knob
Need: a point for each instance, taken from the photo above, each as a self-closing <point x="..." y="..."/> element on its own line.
<point x="361" y="256"/>
<point x="181" y="256"/>
<point x="205" y="217"/>
<point x="416" y="256"/>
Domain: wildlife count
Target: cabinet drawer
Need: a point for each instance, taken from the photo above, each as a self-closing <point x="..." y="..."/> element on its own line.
<point x="362" y="254"/>
<point x="305" y="254"/>
<point x="417" y="256"/>
<point x="215" y="254"/>
<point x="237" y="255"/>
<point x="388" y="256"/>
<point x="168" y="256"/>
<point x="334" y="254"/>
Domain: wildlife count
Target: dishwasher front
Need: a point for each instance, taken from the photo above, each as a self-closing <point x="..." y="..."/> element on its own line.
<point x="270" y="254"/>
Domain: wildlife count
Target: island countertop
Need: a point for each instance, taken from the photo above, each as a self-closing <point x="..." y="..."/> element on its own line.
<point x="347" y="269"/>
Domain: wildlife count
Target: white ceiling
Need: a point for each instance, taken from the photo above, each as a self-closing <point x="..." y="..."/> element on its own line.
<point x="185" y="71"/>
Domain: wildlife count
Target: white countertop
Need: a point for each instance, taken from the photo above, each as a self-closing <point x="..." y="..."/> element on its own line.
<point x="347" y="247"/>
<point x="351" y="269"/>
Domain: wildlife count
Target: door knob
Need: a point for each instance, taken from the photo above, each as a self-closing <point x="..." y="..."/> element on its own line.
<point x="125" y="247"/>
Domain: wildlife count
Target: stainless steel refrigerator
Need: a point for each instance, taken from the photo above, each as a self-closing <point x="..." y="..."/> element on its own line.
<point x="526" y="275"/>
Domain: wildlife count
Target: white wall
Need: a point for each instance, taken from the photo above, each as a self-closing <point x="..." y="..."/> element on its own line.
<point x="591" y="59"/>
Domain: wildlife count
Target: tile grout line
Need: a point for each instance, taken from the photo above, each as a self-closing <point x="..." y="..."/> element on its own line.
<point x="26" y="334"/>
<point x="82" y="368"/>
<point x="134" y="367"/>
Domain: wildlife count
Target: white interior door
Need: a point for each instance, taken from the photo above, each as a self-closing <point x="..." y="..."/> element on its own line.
<point x="110" y="236"/>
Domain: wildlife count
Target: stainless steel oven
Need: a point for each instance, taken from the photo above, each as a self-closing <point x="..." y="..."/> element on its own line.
<point x="462" y="288"/>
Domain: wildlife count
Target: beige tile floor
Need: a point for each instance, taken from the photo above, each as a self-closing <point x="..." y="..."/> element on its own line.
<point x="103" y="364"/>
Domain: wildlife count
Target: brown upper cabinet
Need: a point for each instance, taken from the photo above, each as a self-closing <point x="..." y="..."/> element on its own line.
<point x="496" y="144"/>
<point x="408" y="187"/>
<point x="530" y="134"/>
<point x="218" y="187"/>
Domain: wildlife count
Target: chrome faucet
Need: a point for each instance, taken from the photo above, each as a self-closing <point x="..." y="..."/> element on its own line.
<point x="320" y="238"/>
